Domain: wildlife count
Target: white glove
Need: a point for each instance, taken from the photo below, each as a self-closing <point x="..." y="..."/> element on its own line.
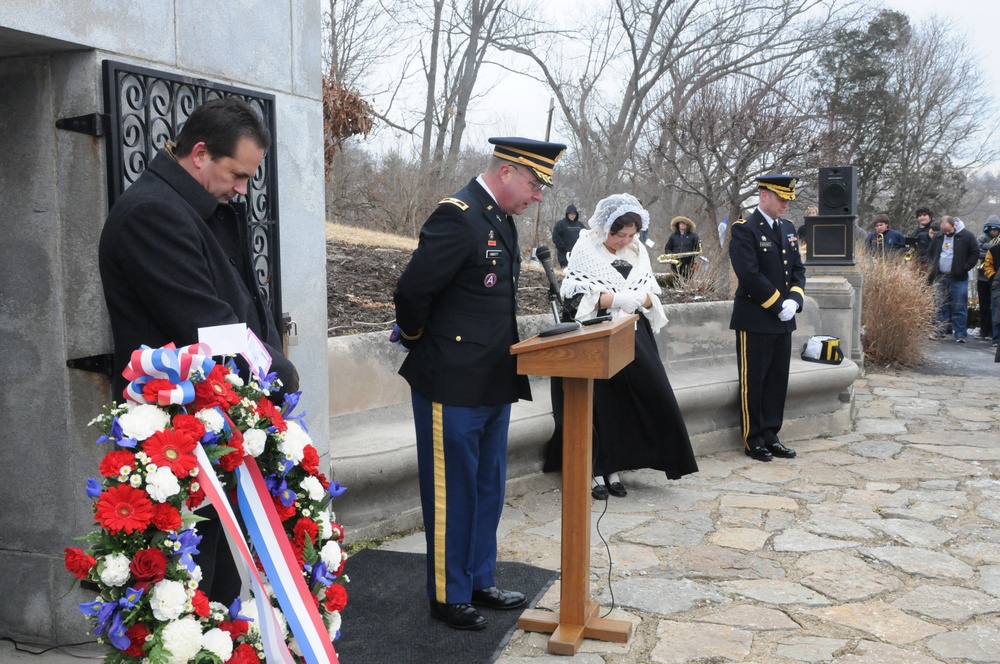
<point x="788" y="309"/>
<point x="628" y="301"/>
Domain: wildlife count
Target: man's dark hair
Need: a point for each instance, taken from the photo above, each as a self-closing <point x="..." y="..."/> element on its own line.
<point x="881" y="219"/>
<point x="627" y="219"/>
<point x="923" y="210"/>
<point x="221" y="124"/>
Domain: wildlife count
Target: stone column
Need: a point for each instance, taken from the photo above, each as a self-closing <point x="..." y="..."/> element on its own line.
<point x="837" y="290"/>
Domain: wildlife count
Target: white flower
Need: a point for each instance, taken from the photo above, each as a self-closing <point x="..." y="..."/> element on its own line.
<point x="314" y="488"/>
<point x="293" y="645"/>
<point x="235" y="381"/>
<point x="183" y="638"/>
<point x="331" y="555"/>
<point x="115" y="571"/>
<point x="249" y="610"/>
<point x="168" y="600"/>
<point x="161" y="484"/>
<point x="334" y="624"/>
<point x="143" y="421"/>
<point x="323" y="521"/>
<point x="211" y="418"/>
<point x="293" y="443"/>
<point x="219" y="643"/>
<point x="196" y="575"/>
<point x="135" y="481"/>
<point x="254" y="440"/>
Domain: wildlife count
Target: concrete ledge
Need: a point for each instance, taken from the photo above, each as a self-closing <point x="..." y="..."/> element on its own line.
<point x="371" y="429"/>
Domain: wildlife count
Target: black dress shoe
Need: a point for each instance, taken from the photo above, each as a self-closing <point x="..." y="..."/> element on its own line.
<point x="617" y="489"/>
<point x="758" y="453"/>
<point x="779" y="450"/>
<point x="457" y="616"/>
<point x="599" y="492"/>
<point x="494" y="598"/>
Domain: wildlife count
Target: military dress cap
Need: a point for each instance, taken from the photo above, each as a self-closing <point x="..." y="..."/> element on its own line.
<point x="539" y="156"/>
<point x="782" y="185"/>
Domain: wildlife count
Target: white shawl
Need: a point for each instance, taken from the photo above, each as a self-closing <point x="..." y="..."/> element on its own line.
<point x="590" y="272"/>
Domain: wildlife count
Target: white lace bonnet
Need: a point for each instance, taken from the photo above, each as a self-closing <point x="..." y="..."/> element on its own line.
<point x="610" y="208"/>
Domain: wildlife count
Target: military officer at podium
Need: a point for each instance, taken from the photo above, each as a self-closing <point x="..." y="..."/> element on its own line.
<point x="765" y="256"/>
<point x="456" y="306"/>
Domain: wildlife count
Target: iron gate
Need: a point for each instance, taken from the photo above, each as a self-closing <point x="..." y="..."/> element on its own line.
<point x="146" y="108"/>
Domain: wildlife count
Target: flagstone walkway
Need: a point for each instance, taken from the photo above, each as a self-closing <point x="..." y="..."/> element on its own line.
<point x="880" y="546"/>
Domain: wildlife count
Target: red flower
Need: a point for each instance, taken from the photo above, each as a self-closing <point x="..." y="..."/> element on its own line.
<point x="78" y="562"/>
<point x="310" y="460"/>
<point x="188" y="425"/>
<point x="268" y="411"/>
<point x="234" y="459"/>
<point x="166" y="517"/>
<point x="200" y="603"/>
<point x="195" y="499"/>
<point x="151" y="390"/>
<point x="113" y="462"/>
<point x="123" y="508"/>
<point x="214" y="391"/>
<point x="303" y="527"/>
<point x="284" y="513"/>
<point x="244" y="654"/>
<point x="136" y="634"/>
<point x="336" y="598"/>
<point x="172" y="449"/>
<point x="148" y="566"/>
<point x="235" y="628"/>
<point x="322" y="480"/>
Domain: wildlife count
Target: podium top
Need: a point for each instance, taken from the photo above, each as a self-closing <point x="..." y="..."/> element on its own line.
<point x="592" y="351"/>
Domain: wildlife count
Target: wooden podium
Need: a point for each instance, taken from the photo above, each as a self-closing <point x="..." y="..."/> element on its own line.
<point x="595" y="351"/>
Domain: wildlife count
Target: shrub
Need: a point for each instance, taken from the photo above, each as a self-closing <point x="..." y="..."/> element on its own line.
<point x="897" y="310"/>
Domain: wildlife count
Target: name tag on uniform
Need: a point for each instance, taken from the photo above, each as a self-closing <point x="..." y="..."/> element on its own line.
<point x="766" y="243"/>
<point x="494" y="253"/>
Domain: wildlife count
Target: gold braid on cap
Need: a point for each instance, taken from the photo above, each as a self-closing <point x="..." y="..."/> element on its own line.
<point x="788" y="193"/>
<point x="542" y="166"/>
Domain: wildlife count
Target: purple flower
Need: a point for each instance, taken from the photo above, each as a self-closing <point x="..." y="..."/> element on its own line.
<point x="93" y="487"/>
<point x="188" y="540"/>
<point x="336" y="490"/>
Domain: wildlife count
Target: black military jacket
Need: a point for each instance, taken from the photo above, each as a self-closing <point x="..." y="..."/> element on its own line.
<point x="456" y="304"/>
<point x="770" y="270"/>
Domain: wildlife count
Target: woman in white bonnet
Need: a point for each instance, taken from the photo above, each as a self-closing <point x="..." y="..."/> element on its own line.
<point x="637" y="422"/>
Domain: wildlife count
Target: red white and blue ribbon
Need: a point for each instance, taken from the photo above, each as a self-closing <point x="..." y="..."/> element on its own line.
<point x="176" y="365"/>
<point x="275" y="648"/>
<point x="280" y="566"/>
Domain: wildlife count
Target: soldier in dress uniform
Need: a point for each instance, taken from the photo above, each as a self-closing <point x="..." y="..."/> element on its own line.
<point x="765" y="256"/>
<point x="456" y="306"/>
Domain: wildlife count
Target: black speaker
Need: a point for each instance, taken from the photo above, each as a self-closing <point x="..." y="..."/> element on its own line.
<point x="838" y="190"/>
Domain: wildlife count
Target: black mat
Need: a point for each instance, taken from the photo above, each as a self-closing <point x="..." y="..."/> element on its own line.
<point x="387" y="618"/>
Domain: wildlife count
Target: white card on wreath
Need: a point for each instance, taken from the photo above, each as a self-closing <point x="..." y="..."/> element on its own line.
<point x="225" y="339"/>
<point x="256" y="354"/>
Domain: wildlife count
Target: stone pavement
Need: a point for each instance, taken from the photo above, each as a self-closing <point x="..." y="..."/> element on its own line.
<point x="877" y="547"/>
<point x="881" y="546"/>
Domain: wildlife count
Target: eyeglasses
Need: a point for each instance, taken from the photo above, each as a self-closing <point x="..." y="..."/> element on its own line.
<point x="536" y="184"/>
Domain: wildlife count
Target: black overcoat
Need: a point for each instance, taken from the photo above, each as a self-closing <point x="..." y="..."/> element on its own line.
<point x="173" y="259"/>
<point x="456" y="304"/>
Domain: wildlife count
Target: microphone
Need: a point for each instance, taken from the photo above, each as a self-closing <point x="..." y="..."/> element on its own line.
<point x="544" y="256"/>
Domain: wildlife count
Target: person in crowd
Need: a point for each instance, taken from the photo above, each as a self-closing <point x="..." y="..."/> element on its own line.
<point x="811" y="211"/>
<point x="683" y="240"/>
<point x="770" y="291"/>
<point x="637" y="422"/>
<point x="922" y="235"/>
<point x="884" y="241"/>
<point x="174" y="256"/>
<point x="455" y="310"/>
<point x="565" y="233"/>
<point x="723" y="227"/>
<point x="990" y="237"/>
<point x="991" y="265"/>
<point x="953" y="253"/>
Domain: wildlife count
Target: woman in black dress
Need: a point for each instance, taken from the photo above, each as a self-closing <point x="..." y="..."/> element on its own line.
<point x="637" y="422"/>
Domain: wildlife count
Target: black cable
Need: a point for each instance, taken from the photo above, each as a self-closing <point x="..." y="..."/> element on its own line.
<point x="597" y="525"/>
<point x="19" y="648"/>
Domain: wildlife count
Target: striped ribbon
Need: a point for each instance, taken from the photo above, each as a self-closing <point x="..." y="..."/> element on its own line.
<point x="280" y="566"/>
<point x="275" y="649"/>
<point x="173" y="364"/>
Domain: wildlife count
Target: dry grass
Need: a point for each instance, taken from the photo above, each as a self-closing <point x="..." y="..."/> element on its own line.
<point x="897" y="311"/>
<point x="369" y="238"/>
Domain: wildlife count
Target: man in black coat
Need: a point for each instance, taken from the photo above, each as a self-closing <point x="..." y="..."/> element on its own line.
<point x="565" y="234"/>
<point x="174" y="256"/>
<point x="765" y="256"/>
<point x="953" y="253"/>
<point x="456" y="306"/>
